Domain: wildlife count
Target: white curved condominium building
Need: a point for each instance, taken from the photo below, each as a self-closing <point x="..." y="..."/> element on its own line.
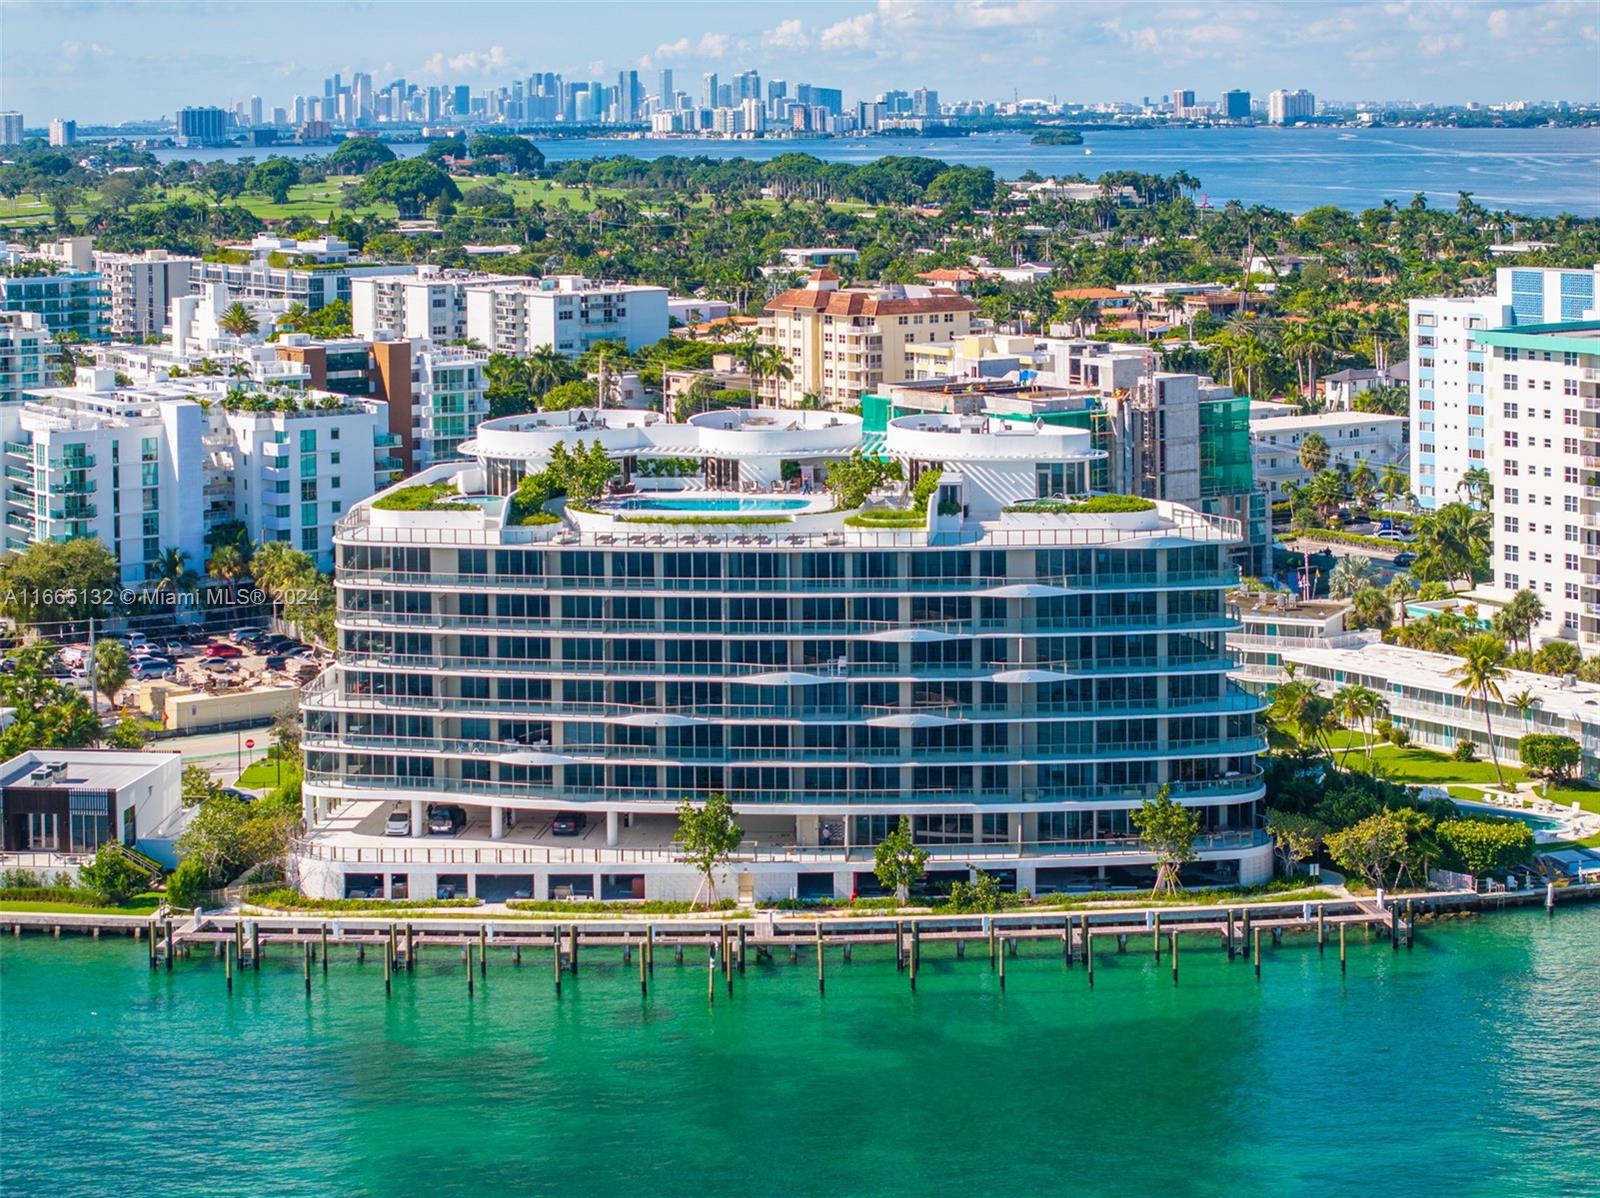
<point x="1015" y="682"/>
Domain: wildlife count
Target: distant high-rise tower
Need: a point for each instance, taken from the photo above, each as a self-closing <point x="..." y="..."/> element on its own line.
<point x="1285" y="107"/>
<point x="10" y="128"/>
<point x="1182" y="101"/>
<point x="664" y="88"/>
<point x="463" y="100"/>
<point x="63" y="132"/>
<point x="711" y="90"/>
<point x="1235" y="105"/>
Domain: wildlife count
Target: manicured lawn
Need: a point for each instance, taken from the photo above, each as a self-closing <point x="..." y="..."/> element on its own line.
<point x="1566" y="794"/>
<point x="260" y="775"/>
<point x="1423" y="767"/>
<point x="143" y="904"/>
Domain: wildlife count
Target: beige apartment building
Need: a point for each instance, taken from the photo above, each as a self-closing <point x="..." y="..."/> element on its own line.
<point x="840" y="343"/>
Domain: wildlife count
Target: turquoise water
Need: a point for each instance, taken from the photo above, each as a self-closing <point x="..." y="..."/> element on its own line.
<point x="1526" y="170"/>
<point x="701" y="503"/>
<point x="1465" y="1067"/>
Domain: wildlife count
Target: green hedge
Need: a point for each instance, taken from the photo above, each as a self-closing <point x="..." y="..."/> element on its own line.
<point x="1095" y="505"/>
<point x="1333" y="536"/>
<point x="423" y="497"/>
<point x="285" y="899"/>
<point x="620" y="907"/>
<point x="886" y="518"/>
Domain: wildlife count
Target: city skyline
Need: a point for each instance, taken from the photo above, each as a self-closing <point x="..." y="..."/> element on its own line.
<point x="101" y="64"/>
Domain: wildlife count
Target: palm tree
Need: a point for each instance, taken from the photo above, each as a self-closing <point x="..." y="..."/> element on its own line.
<point x="227" y="563"/>
<point x="1393" y="482"/>
<point x="547" y="367"/>
<point x="1523" y="614"/>
<point x="1483" y="657"/>
<point x="1401" y="588"/>
<point x="1349" y="575"/>
<point x="1313" y="453"/>
<point x="1523" y="703"/>
<point x="295" y="317"/>
<point x="1356" y="705"/>
<point x="237" y="320"/>
<point x="171" y="572"/>
<point x="1363" y="484"/>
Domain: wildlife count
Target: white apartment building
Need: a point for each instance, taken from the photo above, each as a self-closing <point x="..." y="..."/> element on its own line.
<point x="447" y="401"/>
<point x="142" y="288"/>
<point x="10" y="128"/>
<point x="1544" y="428"/>
<point x="429" y="306"/>
<point x="570" y="312"/>
<point x="841" y="343"/>
<point x="314" y="273"/>
<point x="1013" y="681"/>
<point x="1424" y="698"/>
<point x="126" y="465"/>
<point x="25" y="348"/>
<point x="1352" y="437"/>
<point x="1448" y="371"/>
<point x="295" y="474"/>
<point x="155" y="466"/>
<point x="1284" y="106"/>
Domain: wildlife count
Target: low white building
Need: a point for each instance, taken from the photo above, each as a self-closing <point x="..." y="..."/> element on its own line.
<point x="570" y="312"/>
<point x="57" y="806"/>
<point x="430" y="305"/>
<point x="1352" y="438"/>
<point x="1425" y="698"/>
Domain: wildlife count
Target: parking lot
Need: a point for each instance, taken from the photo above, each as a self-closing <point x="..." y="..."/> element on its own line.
<point x="242" y="658"/>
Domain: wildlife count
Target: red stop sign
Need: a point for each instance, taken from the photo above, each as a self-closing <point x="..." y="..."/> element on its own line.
<point x="249" y="744"/>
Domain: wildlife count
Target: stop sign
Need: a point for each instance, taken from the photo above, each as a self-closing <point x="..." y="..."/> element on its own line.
<point x="249" y="744"/>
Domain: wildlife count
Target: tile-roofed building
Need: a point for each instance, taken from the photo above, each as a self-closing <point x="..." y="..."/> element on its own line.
<point x="841" y="342"/>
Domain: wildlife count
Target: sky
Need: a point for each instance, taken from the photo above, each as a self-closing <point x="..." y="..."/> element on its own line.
<point x="101" y="63"/>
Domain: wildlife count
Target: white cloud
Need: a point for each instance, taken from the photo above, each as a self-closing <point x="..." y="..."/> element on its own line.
<point x="667" y="51"/>
<point x="712" y="45"/>
<point x="482" y="62"/>
<point x="1500" y="23"/>
<point x="852" y="33"/>
<point x="787" y="35"/>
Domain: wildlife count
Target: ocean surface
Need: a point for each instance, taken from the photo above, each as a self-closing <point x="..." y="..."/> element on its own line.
<point x="1468" y="1066"/>
<point x="1541" y="171"/>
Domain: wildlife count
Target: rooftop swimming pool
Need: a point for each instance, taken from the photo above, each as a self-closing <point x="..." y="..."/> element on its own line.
<point x="710" y="503"/>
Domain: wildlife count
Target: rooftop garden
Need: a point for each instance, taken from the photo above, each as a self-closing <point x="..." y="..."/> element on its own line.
<point x="860" y="469"/>
<point x="1095" y="505"/>
<point x="281" y="401"/>
<point x="423" y="497"/>
<point x="580" y="475"/>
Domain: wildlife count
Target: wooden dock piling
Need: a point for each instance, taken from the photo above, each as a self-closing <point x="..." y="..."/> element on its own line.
<point x="1174" y="958"/>
<point x="307" y="947"/>
<point x="899" y="945"/>
<point x="1088" y="953"/>
<point x="483" y="949"/>
<point x="1322" y="928"/>
<point x="572" y="955"/>
<point x="324" y="948"/>
<point x="1155" y="939"/>
<point x="227" y="964"/>
<point x="821" y="978"/>
<point x="1341" y="948"/>
<point x="1257" y="951"/>
<point x="555" y="956"/>
<point x="644" y="983"/>
<point x="1002" y="967"/>
<point x="1230" y="933"/>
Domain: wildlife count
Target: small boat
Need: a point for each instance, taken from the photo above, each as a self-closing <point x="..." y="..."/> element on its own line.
<point x="1088" y="151"/>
